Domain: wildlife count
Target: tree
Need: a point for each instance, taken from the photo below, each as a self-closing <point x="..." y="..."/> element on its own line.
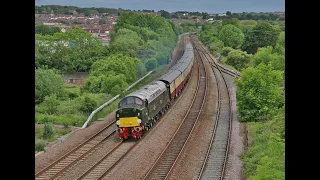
<point x="225" y="51"/>
<point x="228" y="13"/>
<point x="47" y="82"/>
<point x="113" y="84"/>
<point x="51" y="104"/>
<point x="216" y="46"/>
<point x="164" y="14"/>
<point x="263" y="34"/>
<point x="46" y="30"/>
<point x="127" y="42"/>
<point x="151" y="64"/>
<point x="266" y="55"/>
<point x="87" y="104"/>
<point x="231" y="36"/>
<point x="259" y="92"/>
<point x="205" y="15"/>
<point x="238" y="59"/>
<point x="102" y="21"/>
<point x="119" y="64"/>
<point x="72" y="51"/>
<point x="232" y="21"/>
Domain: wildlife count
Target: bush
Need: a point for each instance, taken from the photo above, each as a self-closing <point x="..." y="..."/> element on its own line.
<point x="48" y="131"/>
<point x="87" y="104"/>
<point x="151" y="64"/>
<point x="238" y="59"/>
<point x="51" y="104"/>
<point x="40" y="146"/>
<point x="225" y="51"/>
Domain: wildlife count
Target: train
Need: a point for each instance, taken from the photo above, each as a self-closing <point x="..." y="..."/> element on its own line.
<point x="138" y="111"/>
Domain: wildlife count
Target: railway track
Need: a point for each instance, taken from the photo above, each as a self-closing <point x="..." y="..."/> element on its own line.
<point x="222" y="68"/>
<point x="215" y="161"/>
<point x="166" y="162"/>
<point x="110" y="160"/>
<point x="77" y="154"/>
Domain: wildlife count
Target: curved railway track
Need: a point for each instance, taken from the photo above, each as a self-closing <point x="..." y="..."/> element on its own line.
<point x="77" y="154"/>
<point x="215" y="161"/>
<point x="166" y="162"/>
<point x="221" y="67"/>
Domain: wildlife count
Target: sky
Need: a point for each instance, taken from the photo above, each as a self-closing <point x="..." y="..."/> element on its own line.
<point x="210" y="6"/>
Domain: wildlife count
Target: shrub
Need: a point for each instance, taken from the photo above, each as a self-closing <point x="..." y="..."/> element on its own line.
<point x="87" y="104"/>
<point x="48" y="130"/>
<point x="40" y="146"/>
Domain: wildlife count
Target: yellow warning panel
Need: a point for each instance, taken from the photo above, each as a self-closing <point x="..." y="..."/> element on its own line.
<point x="129" y="122"/>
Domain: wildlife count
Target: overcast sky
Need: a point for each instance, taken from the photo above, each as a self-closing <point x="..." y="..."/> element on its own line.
<point x="210" y="6"/>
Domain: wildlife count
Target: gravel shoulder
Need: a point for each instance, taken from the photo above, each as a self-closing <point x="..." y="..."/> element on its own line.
<point x="234" y="163"/>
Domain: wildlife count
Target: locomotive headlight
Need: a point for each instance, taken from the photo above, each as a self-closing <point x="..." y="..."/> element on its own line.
<point x="118" y="122"/>
<point x="117" y="115"/>
<point x="139" y="121"/>
<point x="138" y="114"/>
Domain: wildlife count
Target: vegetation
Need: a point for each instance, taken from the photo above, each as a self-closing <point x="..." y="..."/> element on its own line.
<point x="260" y="90"/>
<point x="231" y="36"/>
<point x="47" y="83"/>
<point x="265" y="158"/>
<point x="46" y="30"/>
<point x="139" y="43"/>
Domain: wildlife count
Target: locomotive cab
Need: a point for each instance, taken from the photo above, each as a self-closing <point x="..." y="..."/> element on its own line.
<point x="129" y="116"/>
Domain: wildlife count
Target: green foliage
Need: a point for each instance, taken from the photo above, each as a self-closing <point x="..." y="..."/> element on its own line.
<point x="46" y="83"/>
<point x="266" y="55"/>
<point x="112" y="74"/>
<point x="46" y="30"/>
<point x="263" y="34"/>
<point x="102" y="21"/>
<point x="216" y="46"/>
<point x="259" y="92"/>
<point x="225" y="51"/>
<point x="72" y="93"/>
<point x="127" y="42"/>
<point x="141" y="69"/>
<point x="72" y="51"/>
<point x="238" y="59"/>
<point x="87" y="104"/>
<point x="50" y="104"/>
<point x="117" y="64"/>
<point x="231" y="36"/>
<point x="48" y="131"/>
<point x="40" y="145"/>
<point x="265" y="158"/>
<point x="113" y="84"/>
<point x="151" y="64"/>
<point x="248" y="22"/>
<point x="232" y="21"/>
<point x="164" y="14"/>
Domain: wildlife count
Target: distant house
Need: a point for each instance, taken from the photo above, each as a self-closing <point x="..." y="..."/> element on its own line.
<point x="76" y="78"/>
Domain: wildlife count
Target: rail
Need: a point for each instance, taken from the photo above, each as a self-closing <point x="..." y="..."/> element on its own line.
<point x="111" y="100"/>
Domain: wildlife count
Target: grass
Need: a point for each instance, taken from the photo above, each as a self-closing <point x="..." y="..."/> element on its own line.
<point x="41" y="142"/>
<point x="265" y="157"/>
